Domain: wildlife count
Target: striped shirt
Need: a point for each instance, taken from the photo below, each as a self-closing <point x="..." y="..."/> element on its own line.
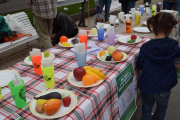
<point x="46" y="9"/>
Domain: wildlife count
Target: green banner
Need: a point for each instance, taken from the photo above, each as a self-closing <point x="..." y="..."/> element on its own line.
<point x="126" y="93"/>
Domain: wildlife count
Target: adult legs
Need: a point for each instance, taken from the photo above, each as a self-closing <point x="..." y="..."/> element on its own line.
<point x="176" y="6"/>
<point x="124" y="8"/>
<point x="101" y="3"/>
<point x="68" y="33"/>
<point x="130" y="5"/>
<point x="43" y="30"/>
<point x="147" y="104"/>
<point x="107" y="9"/>
<point x="162" y="104"/>
<point x="167" y="5"/>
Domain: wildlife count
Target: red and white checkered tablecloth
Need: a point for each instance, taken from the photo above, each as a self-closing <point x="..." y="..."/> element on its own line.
<point x="103" y="103"/>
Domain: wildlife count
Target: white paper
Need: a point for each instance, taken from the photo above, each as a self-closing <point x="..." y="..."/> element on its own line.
<point x="91" y="48"/>
<point x="133" y="13"/>
<point x="80" y="48"/>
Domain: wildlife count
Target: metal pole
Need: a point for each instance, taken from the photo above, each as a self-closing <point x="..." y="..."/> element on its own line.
<point x="83" y="14"/>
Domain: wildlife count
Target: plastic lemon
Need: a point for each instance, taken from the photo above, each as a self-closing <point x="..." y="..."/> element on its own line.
<point x="46" y="54"/>
<point x="102" y="53"/>
<point x="65" y="44"/>
<point x="111" y="49"/>
<point x="93" y="31"/>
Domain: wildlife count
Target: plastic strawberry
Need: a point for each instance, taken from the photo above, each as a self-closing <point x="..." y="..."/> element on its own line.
<point x="66" y="101"/>
<point x="133" y="37"/>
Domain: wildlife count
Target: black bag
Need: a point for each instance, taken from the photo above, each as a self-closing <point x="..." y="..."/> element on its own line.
<point x="2" y="35"/>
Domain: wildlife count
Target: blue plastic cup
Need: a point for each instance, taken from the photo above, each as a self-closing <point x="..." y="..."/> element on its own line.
<point x="81" y="59"/>
<point x="100" y="34"/>
<point x="141" y="9"/>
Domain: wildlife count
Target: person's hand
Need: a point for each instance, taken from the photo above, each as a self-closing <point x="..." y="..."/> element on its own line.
<point x="53" y="36"/>
<point x="98" y="5"/>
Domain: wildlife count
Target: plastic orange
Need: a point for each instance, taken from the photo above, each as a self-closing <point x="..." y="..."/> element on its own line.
<point x="88" y="79"/>
<point x="63" y="39"/>
<point x="52" y="106"/>
<point x="102" y="53"/>
<point x="95" y="79"/>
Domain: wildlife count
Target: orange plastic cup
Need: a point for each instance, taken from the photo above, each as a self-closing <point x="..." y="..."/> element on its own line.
<point x="36" y="60"/>
<point x="128" y="26"/>
<point x="83" y="39"/>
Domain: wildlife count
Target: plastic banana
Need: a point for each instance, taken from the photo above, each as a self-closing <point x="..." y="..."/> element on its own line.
<point x="86" y="67"/>
<point x="98" y="72"/>
<point x="93" y="74"/>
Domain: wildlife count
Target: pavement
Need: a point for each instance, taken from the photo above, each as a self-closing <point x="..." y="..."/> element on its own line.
<point x="18" y="54"/>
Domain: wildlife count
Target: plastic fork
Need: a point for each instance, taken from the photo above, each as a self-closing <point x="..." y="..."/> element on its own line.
<point x="16" y="116"/>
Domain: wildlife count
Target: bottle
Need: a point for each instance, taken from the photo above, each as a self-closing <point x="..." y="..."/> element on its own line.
<point x="147" y="5"/>
<point x="159" y="7"/>
<point x="148" y="12"/>
<point x="0" y="93"/>
<point x="154" y="10"/>
<point x="18" y="91"/>
<point x="128" y="24"/>
<point x="36" y="57"/>
<point x="141" y="8"/>
<point x="138" y="18"/>
<point x="48" y="72"/>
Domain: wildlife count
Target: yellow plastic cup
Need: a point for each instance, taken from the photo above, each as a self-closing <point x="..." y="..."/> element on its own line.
<point x="138" y="18"/>
<point x="48" y="73"/>
<point x="0" y="93"/>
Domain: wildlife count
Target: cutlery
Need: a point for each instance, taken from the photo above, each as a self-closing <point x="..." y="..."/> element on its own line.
<point x="70" y="88"/>
<point x="24" y="64"/>
<point x="16" y="116"/>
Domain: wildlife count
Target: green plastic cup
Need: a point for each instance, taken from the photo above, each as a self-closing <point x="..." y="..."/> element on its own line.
<point x="48" y="73"/>
<point x="19" y="94"/>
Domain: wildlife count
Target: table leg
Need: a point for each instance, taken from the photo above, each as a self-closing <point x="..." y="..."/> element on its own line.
<point x="83" y="14"/>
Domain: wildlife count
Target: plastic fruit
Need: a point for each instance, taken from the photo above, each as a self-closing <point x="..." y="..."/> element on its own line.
<point x="104" y="57"/>
<point x="98" y="72"/>
<point x="46" y="54"/>
<point x="93" y="31"/>
<point x="88" y="31"/>
<point x="65" y="44"/>
<point x="52" y="106"/>
<point x="78" y="73"/>
<point x="102" y="53"/>
<point x="66" y="101"/>
<point x="131" y="41"/>
<point x="117" y="55"/>
<point x="111" y="49"/>
<point x="88" y="79"/>
<point x="55" y="95"/>
<point x="133" y="37"/>
<point x="40" y="102"/>
<point x="93" y="74"/>
<point x="63" y="39"/>
<point x="86" y="67"/>
<point x="95" y="79"/>
<point x="64" y="94"/>
<point x="39" y="109"/>
<point x="108" y="58"/>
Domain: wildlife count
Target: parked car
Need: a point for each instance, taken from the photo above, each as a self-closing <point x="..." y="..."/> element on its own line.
<point x="1" y="1"/>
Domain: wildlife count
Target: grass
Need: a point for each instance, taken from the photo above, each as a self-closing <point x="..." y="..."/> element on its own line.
<point x="72" y="9"/>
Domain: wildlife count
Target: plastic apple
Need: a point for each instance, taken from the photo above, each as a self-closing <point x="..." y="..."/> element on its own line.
<point x="78" y="73"/>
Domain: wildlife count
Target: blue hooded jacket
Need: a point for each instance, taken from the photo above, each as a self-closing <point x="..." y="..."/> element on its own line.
<point x="156" y="60"/>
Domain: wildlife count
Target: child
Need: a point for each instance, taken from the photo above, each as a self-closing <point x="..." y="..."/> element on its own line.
<point x="156" y="60"/>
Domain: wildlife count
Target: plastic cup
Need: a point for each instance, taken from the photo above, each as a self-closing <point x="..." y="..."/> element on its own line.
<point x="81" y="59"/>
<point x="19" y="94"/>
<point x="47" y="67"/>
<point x="0" y="93"/>
<point x="111" y="39"/>
<point x="83" y="39"/>
<point x="141" y="8"/>
<point x="100" y="34"/>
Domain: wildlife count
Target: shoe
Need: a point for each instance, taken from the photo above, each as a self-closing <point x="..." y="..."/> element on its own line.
<point x="106" y="21"/>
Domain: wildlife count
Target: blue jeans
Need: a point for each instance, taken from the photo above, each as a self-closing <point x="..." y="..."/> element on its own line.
<point x="169" y="5"/>
<point x="126" y="7"/>
<point x="107" y="4"/>
<point x="148" y="102"/>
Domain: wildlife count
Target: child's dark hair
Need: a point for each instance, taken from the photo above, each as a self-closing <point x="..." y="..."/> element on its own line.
<point x="161" y="23"/>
